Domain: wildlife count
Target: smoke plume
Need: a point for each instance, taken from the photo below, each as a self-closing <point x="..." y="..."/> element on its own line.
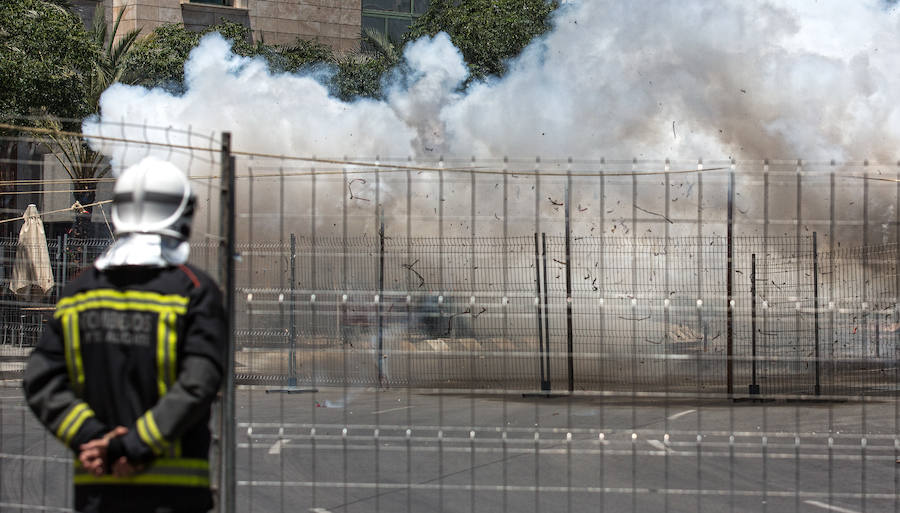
<point x="645" y="79"/>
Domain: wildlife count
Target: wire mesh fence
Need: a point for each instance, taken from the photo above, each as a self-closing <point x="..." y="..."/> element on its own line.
<point x="525" y="334"/>
<point x="638" y="321"/>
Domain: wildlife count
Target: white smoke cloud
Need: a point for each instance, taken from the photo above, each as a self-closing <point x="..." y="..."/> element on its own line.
<point x="646" y="79"/>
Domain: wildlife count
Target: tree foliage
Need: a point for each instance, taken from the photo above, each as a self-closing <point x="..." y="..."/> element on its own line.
<point x="46" y="59"/>
<point x="487" y="32"/>
<point x="359" y="76"/>
<point x="110" y="65"/>
<point x="301" y="54"/>
<point x="158" y="59"/>
<point x="50" y="63"/>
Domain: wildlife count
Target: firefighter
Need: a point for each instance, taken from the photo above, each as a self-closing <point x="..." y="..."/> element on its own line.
<point x="126" y="370"/>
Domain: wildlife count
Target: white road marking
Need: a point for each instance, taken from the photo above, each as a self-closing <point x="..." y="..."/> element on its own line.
<point x="391" y="409"/>
<point x="830" y="507"/>
<point x="681" y="414"/>
<point x="658" y="445"/>
<point x="276" y="447"/>
<point x="319" y="510"/>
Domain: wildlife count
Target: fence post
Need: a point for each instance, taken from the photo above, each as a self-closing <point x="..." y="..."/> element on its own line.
<point x="569" y="342"/>
<point x="754" y="387"/>
<point x="292" y="342"/>
<point x="344" y="268"/>
<point x="380" y="297"/>
<point x="729" y="347"/>
<point x="545" y="383"/>
<point x="59" y="270"/>
<point x="65" y="261"/>
<point x="865" y="263"/>
<point x="226" y="278"/>
<point x="816" y="307"/>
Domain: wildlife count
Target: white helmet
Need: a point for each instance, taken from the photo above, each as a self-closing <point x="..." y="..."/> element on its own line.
<point x="155" y="197"/>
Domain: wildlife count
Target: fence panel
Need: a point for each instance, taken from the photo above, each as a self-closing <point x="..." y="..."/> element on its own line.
<point x="402" y="346"/>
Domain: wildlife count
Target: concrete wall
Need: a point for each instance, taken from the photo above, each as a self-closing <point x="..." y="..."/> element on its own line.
<point x="198" y="16"/>
<point x="333" y="22"/>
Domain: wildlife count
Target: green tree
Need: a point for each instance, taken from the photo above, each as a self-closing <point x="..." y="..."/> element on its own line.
<point x="46" y="59"/>
<point x="359" y="76"/>
<point x="109" y="66"/>
<point x="487" y="32"/>
<point x="84" y="165"/>
<point x="157" y="60"/>
<point x="301" y="54"/>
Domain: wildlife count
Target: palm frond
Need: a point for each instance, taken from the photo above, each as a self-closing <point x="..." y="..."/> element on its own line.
<point x="120" y="50"/>
<point x="98" y="29"/>
<point x="73" y="153"/>
<point x="382" y="43"/>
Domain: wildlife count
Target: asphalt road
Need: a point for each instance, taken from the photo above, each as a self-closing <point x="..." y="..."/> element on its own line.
<point x="423" y="451"/>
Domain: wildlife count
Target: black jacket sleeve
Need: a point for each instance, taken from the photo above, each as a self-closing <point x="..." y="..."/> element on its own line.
<point x="50" y="395"/>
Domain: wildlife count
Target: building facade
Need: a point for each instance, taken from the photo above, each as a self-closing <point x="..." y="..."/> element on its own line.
<point x="337" y="23"/>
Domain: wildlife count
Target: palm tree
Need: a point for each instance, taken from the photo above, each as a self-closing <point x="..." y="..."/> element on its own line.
<point x="111" y="66"/>
<point x="381" y="45"/>
<point x="84" y="165"/>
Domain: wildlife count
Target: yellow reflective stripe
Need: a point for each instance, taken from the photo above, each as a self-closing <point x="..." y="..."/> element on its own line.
<point x="170" y="300"/>
<point x="76" y="355"/>
<point x="161" y="354"/>
<point x="154" y="431"/>
<point x="173" y="354"/>
<point x="67" y="346"/>
<point x="87" y="413"/>
<point x="69" y="418"/>
<point x="72" y="347"/>
<point x="126" y="294"/>
<point x="176" y="472"/>
<point x="119" y="305"/>
<point x="145" y="435"/>
<point x="143" y="479"/>
<point x="164" y="464"/>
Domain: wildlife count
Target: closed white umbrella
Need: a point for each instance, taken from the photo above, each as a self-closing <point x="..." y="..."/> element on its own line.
<point x="32" y="274"/>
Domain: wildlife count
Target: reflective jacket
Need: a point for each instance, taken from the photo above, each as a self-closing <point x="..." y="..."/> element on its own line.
<point x="140" y="347"/>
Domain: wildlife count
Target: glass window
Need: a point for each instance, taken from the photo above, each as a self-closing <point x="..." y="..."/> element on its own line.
<point x="397" y="27"/>
<point x="374" y="23"/>
<point x="392" y="17"/>
<point x="404" y="6"/>
<point x="384" y="5"/>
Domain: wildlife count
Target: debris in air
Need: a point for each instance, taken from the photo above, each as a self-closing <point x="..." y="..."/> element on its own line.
<point x="654" y="214"/>
<point x="409" y="267"/>
<point x="350" y="188"/>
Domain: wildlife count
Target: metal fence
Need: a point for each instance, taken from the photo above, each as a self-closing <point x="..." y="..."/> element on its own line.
<point x="414" y="316"/>
<point x="23" y="314"/>
<point x="532" y="335"/>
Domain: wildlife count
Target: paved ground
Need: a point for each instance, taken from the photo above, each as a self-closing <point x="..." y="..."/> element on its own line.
<point x="422" y="451"/>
